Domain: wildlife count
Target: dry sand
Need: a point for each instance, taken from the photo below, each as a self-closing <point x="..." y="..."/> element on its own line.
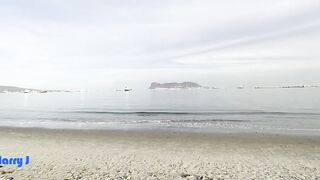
<point x="72" y="154"/>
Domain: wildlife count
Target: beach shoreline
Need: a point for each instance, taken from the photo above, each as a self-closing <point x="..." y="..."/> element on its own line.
<point x="158" y="154"/>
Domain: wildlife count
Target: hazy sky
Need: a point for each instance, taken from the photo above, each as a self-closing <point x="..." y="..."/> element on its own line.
<point x="111" y="43"/>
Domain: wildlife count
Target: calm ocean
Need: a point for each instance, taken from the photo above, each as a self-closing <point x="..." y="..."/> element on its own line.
<point x="222" y="110"/>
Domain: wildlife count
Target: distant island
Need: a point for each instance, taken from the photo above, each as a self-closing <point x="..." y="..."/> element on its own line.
<point x="14" y="89"/>
<point x="183" y="85"/>
<point x="286" y="87"/>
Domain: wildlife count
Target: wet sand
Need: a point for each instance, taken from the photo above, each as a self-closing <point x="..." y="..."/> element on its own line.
<point x="147" y="154"/>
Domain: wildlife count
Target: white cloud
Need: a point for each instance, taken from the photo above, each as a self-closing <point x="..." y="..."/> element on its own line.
<point x="55" y="39"/>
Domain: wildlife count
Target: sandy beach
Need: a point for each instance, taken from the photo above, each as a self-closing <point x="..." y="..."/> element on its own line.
<point x="79" y="154"/>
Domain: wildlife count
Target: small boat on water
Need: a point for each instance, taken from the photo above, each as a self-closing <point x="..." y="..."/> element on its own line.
<point x="26" y="91"/>
<point x="127" y="89"/>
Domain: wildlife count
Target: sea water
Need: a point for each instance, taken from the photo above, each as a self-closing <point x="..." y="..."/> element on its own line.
<point x="205" y="110"/>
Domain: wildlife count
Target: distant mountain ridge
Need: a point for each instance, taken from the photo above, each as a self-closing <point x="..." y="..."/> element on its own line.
<point x="22" y="90"/>
<point x="183" y="85"/>
<point x="15" y="89"/>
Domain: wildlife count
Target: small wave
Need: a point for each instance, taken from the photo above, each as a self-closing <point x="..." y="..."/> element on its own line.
<point x="155" y="113"/>
<point x="142" y="113"/>
<point x="205" y="121"/>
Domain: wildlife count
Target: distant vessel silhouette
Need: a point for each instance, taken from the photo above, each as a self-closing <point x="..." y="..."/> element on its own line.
<point x="126" y="89"/>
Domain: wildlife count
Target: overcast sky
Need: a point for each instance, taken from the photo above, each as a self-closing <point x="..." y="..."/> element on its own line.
<point x="110" y="43"/>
